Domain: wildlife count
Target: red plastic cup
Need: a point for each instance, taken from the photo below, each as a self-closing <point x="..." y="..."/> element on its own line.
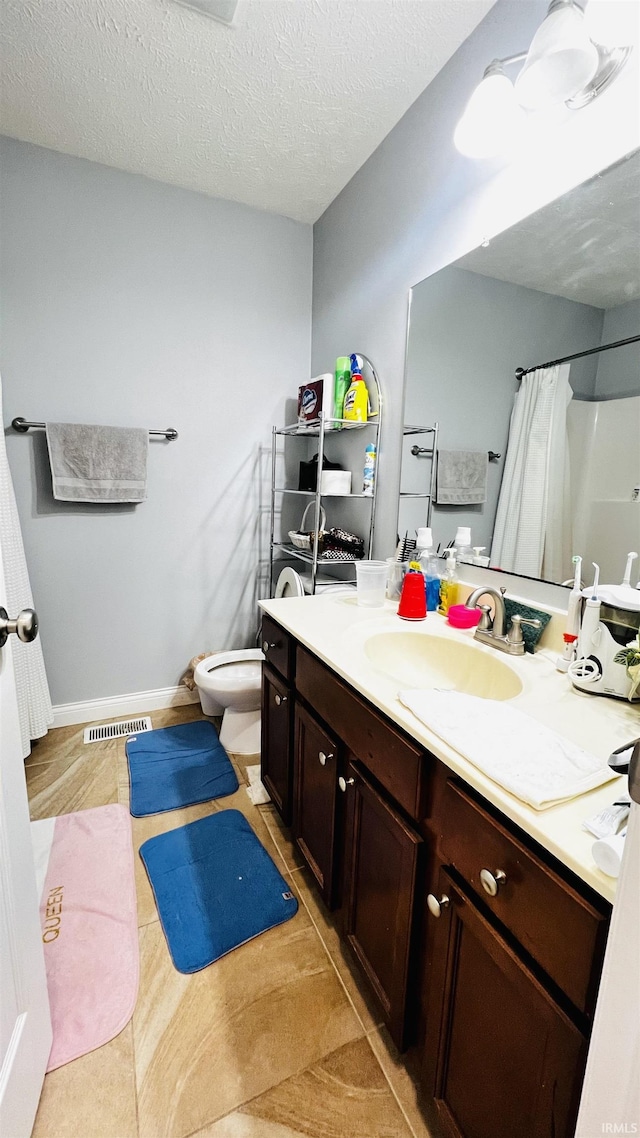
<point x="413" y="598"/>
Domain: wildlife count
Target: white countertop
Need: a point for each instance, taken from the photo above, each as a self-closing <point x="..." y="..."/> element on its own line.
<point x="335" y="629"/>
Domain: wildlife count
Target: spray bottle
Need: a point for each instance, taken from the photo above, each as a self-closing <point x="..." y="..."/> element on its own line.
<point x="356" y="401"/>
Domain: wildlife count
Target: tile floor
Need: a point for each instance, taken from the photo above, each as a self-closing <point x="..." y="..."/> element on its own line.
<point x="279" y="1039"/>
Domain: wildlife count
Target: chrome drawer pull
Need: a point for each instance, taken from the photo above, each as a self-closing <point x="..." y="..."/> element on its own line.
<point x="343" y="783"/>
<point x="436" y="906"/>
<point x="280" y="699"/>
<point x="491" y="882"/>
<point x="266" y="646"/>
<point x="323" y="758"/>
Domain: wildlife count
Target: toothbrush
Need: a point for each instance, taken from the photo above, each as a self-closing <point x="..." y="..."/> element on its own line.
<point x="575" y="598"/>
<point x="626" y="580"/>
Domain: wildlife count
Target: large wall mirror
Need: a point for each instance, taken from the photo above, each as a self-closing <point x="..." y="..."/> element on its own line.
<point x="566" y="480"/>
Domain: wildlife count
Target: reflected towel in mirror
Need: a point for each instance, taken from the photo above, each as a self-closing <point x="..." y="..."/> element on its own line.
<point x="462" y="477"/>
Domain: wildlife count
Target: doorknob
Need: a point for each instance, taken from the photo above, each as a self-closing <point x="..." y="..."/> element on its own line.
<point x="343" y="783"/>
<point x="25" y="625"/>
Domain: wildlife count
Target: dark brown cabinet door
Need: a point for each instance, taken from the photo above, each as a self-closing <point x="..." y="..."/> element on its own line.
<point x="381" y="867"/>
<point x="501" y="1058"/>
<point x="315" y="804"/>
<point x="276" y="756"/>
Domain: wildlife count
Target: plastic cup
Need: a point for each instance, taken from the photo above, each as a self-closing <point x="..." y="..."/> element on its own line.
<point x="396" y="572"/>
<point x="413" y="598"/>
<point x="371" y="583"/>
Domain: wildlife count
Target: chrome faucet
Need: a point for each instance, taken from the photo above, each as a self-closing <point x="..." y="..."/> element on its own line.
<point x="492" y="631"/>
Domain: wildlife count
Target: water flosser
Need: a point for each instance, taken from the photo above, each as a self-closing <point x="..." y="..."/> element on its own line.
<point x="590" y="629"/>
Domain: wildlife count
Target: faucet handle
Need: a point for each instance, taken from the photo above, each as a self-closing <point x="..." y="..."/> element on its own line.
<point x="485" y="623"/>
<point x="514" y="635"/>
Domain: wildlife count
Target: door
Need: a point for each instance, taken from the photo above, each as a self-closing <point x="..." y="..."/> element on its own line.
<point x="382" y="860"/>
<point x="25" y="1024"/>
<point x="501" y="1057"/>
<point x="277" y="742"/>
<point x="314" y="815"/>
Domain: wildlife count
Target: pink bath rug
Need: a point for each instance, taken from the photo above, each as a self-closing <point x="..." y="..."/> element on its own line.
<point x="88" y="916"/>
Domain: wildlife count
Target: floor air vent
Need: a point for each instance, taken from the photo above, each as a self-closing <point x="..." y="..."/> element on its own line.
<point x="102" y="731"/>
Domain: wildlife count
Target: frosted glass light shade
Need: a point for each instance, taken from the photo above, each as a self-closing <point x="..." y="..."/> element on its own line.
<point x="561" y="62"/>
<point x="491" y="118"/>
<point x="613" y="23"/>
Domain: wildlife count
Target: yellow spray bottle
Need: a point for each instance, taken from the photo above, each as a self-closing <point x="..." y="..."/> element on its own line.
<point x="356" y="401"/>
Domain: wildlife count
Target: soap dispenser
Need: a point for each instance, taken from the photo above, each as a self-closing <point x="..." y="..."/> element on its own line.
<point x="448" y="584"/>
<point x="462" y="542"/>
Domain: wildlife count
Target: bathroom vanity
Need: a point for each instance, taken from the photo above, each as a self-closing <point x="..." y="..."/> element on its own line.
<point x="471" y="916"/>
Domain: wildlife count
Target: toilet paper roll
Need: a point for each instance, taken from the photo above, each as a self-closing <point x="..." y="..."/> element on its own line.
<point x="335" y="482"/>
<point x="607" y="853"/>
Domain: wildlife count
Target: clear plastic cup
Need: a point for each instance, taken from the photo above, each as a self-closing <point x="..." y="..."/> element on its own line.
<point x="396" y="572"/>
<point x="371" y="583"/>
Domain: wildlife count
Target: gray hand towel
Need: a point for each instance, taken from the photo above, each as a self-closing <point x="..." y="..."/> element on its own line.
<point x="462" y="477"/>
<point x="97" y="464"/>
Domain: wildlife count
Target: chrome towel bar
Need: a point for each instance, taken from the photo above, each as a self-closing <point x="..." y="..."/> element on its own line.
<point x="23" y="426"/>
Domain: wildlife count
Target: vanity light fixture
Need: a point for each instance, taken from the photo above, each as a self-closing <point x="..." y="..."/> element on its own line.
<point x="564" y="64"/>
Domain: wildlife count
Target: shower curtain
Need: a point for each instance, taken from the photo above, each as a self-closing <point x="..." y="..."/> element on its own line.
<point x="532" y="533"/>
<point x="34" y="701"/>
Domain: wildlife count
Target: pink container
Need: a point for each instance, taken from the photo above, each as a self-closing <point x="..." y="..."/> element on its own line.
<point x="462" y="617"/>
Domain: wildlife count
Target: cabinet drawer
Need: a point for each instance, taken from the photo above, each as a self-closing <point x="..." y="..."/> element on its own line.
<point x="397" y="764"/>
<point x="278" y="648"/>
<point x="560" y="929"/>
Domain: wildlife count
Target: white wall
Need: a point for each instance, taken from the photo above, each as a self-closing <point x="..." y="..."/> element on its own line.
<point x="129" y="302"/>
<point x="416" y="205"/>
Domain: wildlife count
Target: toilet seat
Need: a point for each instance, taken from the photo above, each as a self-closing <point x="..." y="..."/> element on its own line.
<point x="289" y="584"/>
<point x="292" y="584"/>
<point x="231" y="671"/>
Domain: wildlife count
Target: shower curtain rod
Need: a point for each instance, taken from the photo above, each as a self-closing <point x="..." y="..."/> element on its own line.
<point x="520" y="371"/>
<point x="23" y="426"/>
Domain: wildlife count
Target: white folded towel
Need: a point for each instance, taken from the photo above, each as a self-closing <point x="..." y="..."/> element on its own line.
<point x="528" y="759"/>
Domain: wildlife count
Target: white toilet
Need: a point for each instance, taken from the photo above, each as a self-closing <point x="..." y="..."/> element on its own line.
<point x="229" y="684"/>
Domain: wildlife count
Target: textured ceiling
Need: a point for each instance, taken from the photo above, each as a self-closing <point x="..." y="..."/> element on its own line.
<point x="584" y="246"/>
<point x="278" y="111"/>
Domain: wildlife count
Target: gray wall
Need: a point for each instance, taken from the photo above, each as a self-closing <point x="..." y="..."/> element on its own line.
<point x="417" y="205"/>
<point x="619" y="370"/>
<point x="468" y="334"/>
<point x="129" y="302"/>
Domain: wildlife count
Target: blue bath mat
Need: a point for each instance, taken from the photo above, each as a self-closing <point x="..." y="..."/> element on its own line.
<point x="177" y="766"/>
<point x="215" y="887"/>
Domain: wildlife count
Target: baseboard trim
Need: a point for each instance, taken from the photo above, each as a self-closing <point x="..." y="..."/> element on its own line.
<point x="115" y="706"/>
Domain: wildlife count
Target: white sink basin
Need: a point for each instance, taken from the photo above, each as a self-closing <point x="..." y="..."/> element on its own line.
<point x="418" y="660"/>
